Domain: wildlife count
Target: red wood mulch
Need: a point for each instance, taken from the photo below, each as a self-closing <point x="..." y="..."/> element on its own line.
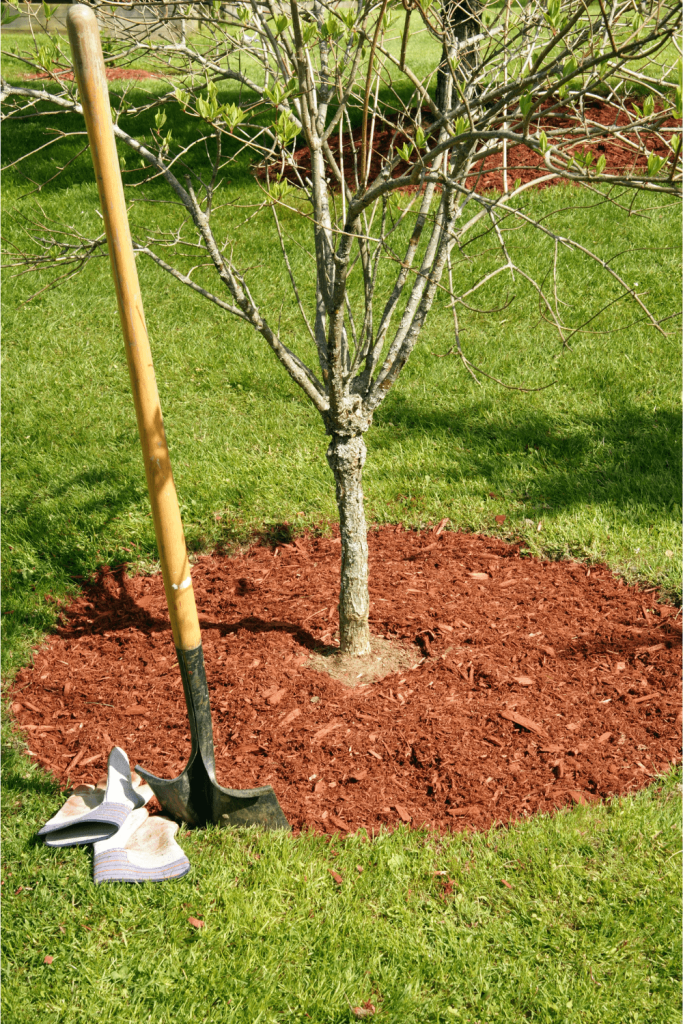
<point x="522" y="163"/>
<point x="544" y="683"/>
<point x="112" y="75"/>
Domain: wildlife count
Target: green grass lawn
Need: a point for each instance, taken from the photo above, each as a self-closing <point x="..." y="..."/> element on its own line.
<point x="589" y="931"/>
<point x="586" y="930"/>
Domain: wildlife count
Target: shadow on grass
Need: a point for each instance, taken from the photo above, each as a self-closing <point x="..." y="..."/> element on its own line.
<point x="630" y="456"/>
<point x="18" y="777"/>
<point x="629" y="460"/>
<point x="20" y="137"/>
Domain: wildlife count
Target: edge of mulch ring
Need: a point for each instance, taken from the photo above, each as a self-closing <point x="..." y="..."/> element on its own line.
<point x="541" y="684"/>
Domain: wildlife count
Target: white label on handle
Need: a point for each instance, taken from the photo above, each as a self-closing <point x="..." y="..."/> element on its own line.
<point x="183" y="586"/>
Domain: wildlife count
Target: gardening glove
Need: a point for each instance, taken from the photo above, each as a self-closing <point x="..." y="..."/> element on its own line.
<point x="93" y="814"/>
<point x="143" y="850"/>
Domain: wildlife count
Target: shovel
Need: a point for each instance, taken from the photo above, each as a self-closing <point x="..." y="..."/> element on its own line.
<point x="195" y="796"/>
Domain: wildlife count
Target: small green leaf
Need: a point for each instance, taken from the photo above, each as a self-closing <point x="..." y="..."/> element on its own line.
<point x="160" y="119"/>
<point x="554" y="14"/>
<point x="46" y="56"/>
<point x="543" y="143"/>
<point x="332" y="28"/>
<point x="601" y="164"/>
<point x="281" y="23"/>
<point x="654" y="164"/>
<point x="570" y="67"/>
<point x="279" y="189"/>
<point x="6" y="18"/>
<point x="208" y="108"/>
<point x="232" y="115"/>
<point x="285" y="129"/>
<point x="419" y="138"/>
<point x="310" y="33"/>
<point x="526" y="102"/>
<point x="649" y="105"/>
<point x="275" y="94"/>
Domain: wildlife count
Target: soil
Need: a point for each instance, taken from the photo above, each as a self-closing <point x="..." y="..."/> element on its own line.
<point x="537" y="683"/>
<point x="522" y="163"/>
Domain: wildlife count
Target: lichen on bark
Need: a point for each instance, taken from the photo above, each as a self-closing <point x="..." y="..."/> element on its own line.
<point x="346" y="457"/>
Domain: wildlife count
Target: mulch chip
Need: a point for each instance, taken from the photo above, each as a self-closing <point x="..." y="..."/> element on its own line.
<point x="546" y="683"/>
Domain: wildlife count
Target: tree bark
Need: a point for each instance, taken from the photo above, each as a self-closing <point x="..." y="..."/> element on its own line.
<point x="346" y="456"/>
<point x="460" y="20"/>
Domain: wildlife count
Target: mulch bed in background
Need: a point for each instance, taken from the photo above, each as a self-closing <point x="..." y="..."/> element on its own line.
<point x="523" y="164"/>
<point x="542" y="683"/>
<point x="112" y="75"/>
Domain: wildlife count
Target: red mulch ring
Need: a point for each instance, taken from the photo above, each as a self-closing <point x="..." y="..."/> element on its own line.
<point x="522" y="163"/>
<point x="543" y="683"/>
<point x="112" y="74"/>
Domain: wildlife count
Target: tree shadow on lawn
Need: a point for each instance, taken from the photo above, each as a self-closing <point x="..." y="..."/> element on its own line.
<point x="628" y="459"/>
<point x="22" y="137"/>
<point x="62" y="532"/>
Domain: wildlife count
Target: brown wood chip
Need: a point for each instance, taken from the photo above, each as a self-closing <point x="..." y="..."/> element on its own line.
<point x="339" y="823"/>
<point x="326" y="729"/>
<point x="460" y="812"/>
<point x="526" y="723"/>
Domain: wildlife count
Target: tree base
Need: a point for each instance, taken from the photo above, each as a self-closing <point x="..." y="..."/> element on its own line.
<point x="356" y="641"/>
<point x="385" y="657"/>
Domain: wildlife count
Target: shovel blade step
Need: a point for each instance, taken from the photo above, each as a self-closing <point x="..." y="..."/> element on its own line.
<point x="194" y="797"/>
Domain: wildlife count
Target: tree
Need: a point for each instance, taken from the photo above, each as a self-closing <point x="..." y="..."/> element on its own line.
<point x="382" y="227"/>
<point x="459" y="22"/>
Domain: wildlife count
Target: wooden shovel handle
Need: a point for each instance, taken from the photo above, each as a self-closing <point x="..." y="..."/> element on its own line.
<point x="84" y="37"/>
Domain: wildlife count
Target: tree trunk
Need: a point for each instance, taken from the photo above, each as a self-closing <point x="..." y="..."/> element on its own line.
<point x="460" y="20"/>
<point x="346" y="456"/>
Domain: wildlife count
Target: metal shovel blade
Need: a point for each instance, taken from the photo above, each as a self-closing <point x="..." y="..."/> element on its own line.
<point x="195" y="796"/>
